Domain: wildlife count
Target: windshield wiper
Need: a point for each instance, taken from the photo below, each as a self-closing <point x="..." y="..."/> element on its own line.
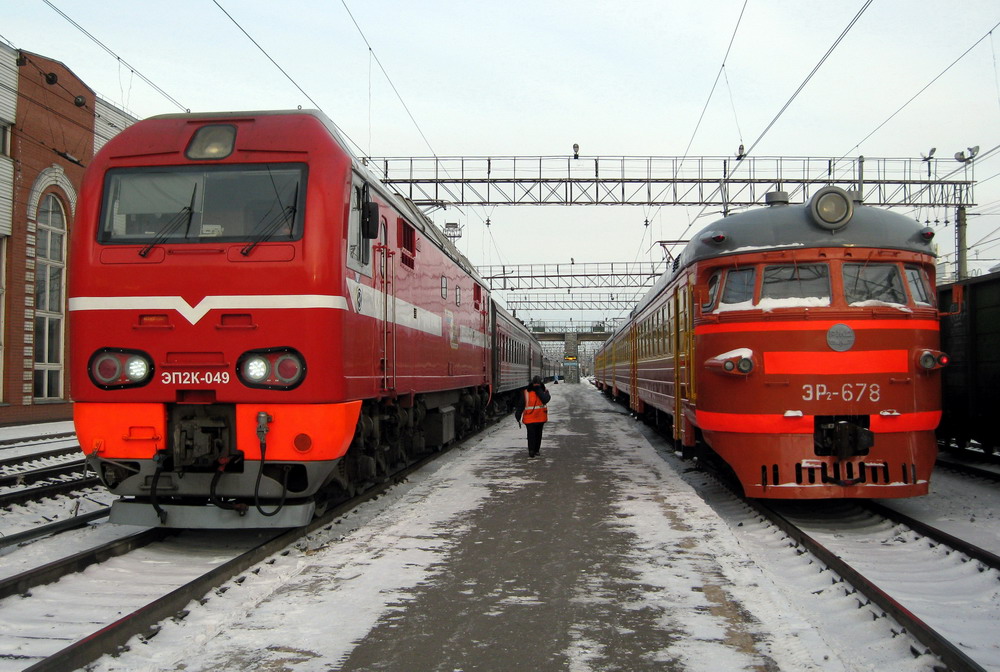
<point x="183" y="215"/>
<point x="270" y="228"/>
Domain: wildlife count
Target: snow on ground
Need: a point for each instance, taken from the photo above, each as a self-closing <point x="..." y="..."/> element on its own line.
<point x="729" y="592"/>
<point x="716" y="587"/>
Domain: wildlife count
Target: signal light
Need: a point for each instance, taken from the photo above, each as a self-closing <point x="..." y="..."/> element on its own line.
<point x="927" y="233"/>
<point x="272" y="368"/>
<point x="930" y="360"/>
<point x="736" y="362"/>
<point x="117" y="368"/>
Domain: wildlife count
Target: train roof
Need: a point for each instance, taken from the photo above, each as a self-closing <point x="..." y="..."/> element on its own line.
<point x="783" y="226"/>
<point x="421" y="221"/>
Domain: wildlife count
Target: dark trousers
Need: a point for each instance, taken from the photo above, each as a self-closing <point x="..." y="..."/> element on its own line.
<point x="534" y="436"/>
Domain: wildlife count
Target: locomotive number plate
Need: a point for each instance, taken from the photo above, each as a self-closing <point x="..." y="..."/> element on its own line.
<point x="194" y="377"/>
<point x="846" y="392"/>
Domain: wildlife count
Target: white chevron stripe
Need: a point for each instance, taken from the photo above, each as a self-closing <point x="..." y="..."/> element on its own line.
<point x="193" y="314"/>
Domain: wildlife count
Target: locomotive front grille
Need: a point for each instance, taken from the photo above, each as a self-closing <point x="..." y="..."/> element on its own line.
<point x="812" y="472"/>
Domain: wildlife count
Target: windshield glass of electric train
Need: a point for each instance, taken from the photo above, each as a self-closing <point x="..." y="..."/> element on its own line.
<point x="916" y="279"/>
<point x="873" y="284"/>
<point x="713" y="291"/>
<point x="738" y="291"/>
<point x="795" y="286"/>
<point x="229" y="203"/>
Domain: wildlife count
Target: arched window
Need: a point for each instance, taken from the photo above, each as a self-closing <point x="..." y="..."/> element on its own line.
<point x="50" y="262"/>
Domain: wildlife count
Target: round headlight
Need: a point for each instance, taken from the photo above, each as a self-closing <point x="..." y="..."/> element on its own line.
<point x="831" y="207"/>
<point x="745" y="365"/>
<point x="136" y="368"/>
<point x="928" y="360"/>
<point x="256" y="369"/>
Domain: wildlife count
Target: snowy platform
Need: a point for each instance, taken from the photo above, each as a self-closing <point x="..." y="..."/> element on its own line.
<point x="599" y="555"/>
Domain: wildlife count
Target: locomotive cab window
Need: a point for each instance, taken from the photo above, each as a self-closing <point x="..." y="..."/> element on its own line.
<point x="358" y="247"/>
<point x="916" y="279"/>
<point x="738" y="291"/>
<point x="198" y="204"/>
<point x="796" y="285"/>
<point x="873" y="284"/>
<point x="713" y="291"/>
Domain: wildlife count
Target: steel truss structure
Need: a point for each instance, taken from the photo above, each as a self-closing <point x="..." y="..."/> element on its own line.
<point x="600" y="275"/>
<point x="663" y="180"/>
<point x="611" y="303"/>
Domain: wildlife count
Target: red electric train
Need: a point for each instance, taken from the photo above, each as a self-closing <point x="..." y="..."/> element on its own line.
<point x="800" y="343"/>
<point x="258" y="325"/>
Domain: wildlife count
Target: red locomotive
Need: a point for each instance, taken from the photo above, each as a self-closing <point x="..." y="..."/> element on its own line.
<point x="800" y="343"/>
<point x="257" y="325"/>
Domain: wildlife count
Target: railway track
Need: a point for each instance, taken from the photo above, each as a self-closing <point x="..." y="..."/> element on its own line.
<point x="890" y="569"/>
<point x="970" y="469"/>
<point x="110" y="604"/>
<point x="39" y="484"/>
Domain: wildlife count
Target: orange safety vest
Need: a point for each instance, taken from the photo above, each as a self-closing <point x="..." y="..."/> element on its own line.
<point x="534" y="409"/>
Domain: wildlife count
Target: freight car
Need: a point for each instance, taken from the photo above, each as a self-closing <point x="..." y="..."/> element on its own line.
<point x="970" y="334"/>
<point x="258" y="325"/>
<point x="799" y="343"/>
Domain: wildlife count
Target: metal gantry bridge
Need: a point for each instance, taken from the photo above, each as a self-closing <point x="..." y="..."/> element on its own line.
<point x="726" y="182"/>
<point x="602" y="275"/>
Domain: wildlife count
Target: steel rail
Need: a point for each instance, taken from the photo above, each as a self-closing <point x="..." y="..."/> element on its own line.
<point x="43" y="438"/>
<point x="969" y="469"/>
<point x="30" y="476"/>
<point x="53" y="528"/>
<point x="20" y="584"/>
<point x="988" y="558"/>
<point x="144" y="620"/>
<point x="55" y="452"/>
<point x="41" y="492"/>
<point x="952" y="656"/>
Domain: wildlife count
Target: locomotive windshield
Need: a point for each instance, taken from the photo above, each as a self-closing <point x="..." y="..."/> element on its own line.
<point x="879" y="283"/>
<point x="813" y="285"/>
<point x="190" y="204"/>
<point x="796" y="285"/>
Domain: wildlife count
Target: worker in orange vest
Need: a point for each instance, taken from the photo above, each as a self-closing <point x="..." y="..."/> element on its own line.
<point x="530" y="408"/>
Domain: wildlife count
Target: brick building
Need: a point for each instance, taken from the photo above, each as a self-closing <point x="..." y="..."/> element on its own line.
<point x="51" y="125"/>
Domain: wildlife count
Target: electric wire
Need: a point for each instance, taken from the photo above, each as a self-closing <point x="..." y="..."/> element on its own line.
<point x="388" y="79"/>
<point x="925" y="87"/>
<point x="694" y="133"/>
<point x="287" y="76"/>
<point x="815" y="69"/>
<point x="117" y="57"/>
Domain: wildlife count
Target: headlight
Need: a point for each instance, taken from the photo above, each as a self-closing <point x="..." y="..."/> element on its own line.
<point x="272" y="368"/>
<point x="737" y="362"/>
<point x="255" y="369"/>
<point x="136" y="368"/>
<point x="831" y="208"/>
<point x="116" y="368"/>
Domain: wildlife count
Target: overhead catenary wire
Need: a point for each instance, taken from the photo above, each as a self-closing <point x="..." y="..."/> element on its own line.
<point x="809" y="77"/>
<point x="388" y="78"/>
<point x="924" y="88"/>
<point x="787" y="104"/>
<point x="117" y="57"/>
